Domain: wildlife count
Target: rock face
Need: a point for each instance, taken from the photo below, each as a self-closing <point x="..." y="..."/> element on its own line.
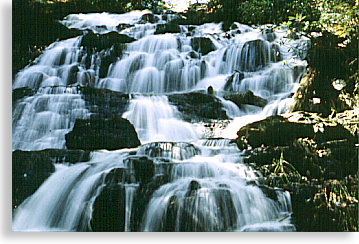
<point x="202" y="45"/>
<point x="99" y="133"/>
<point x="198" y="106"/>
<point x="170" y="27"/>
<point x="109" y="209"/>
<point x="314" y="159"/>
<point x="258" y="49"/>
<point x="105" y="103"/>
<point x="105" y="41"/>
<point x="282" y="130"/>
<point x="240" y="98"/>
<point x="31" y="168"/>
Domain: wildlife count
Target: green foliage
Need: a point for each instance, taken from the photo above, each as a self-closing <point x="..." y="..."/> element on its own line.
<point x="264" y="12"/>
<point x="280" y="172"/>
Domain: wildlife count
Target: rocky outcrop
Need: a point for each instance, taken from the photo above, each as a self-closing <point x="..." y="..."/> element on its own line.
<point x="105" y="103"/>
<point x="241" y="98"/>
<point x="149" y="18"/>
<point x="102" y="133"/>
<point x="171" y="27"/>
<point x="258" y="49"/>
<point x="31" y="168"/>
<point x="313" y="158"/>
<point x="109" y="208"/>
<point x="198" y="106"/>
<point x="282" y="130"/>
<point x="202" y="45"/>
<point x="104" y="41"/>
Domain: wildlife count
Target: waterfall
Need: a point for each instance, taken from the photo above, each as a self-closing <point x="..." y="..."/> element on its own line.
<point x="156" y="120"/>
<point x="203" y="194"/>
<point x="41" y="121"/>
<point x="176" y="180"/>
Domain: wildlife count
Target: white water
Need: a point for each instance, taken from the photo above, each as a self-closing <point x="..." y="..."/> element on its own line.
<point x="152" y="67"/>
<point x="156" y="120"/>
<point x="64" y="201"/>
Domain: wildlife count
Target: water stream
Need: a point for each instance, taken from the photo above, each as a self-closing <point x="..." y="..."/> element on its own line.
<point x="207" y="186"/>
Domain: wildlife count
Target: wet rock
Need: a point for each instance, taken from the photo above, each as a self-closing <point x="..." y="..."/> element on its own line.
<point x="104" y="41"/>
<point x="276" y="54"/>
<point x="282" y="130"/>
<point x="202" y="45"/>
<point x="269" y="34"/>
<point x="114" y="54"/>
<point x="31" y="168"/>
<point x="198" y="106"/>
<point x="171" y="150"/>
<point x="233" y="81"/>
<point x="258" y="49"/>
<point x="133" y="186"/>
<point x="240" y="98"/>
<point x="102" y="133"/>
<point x="149" y="18"/>
<point x="138" y="169"/>
<point x="121" y="27"/>
<point x="21" y="93"/>
<point x="170" y="27"/>
<point x="105" y="103"/>
<point x="192" y="188"/>
<point x="109" y="210"/>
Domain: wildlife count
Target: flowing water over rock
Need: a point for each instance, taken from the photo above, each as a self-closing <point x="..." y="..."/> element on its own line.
<point x="177" y="180"/>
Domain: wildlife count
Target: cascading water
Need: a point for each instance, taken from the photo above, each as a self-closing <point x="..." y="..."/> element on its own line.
<point x="190" y="183"/>
<point x="156" y="120"/>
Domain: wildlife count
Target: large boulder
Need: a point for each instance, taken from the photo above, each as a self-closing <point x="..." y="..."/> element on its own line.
<point x="240" y="98"/>
<point x="171" y="27"/>
<point x="102" y="133"/>
<point x="198" y="106"/>
<point x="202" y="45"/>
<point x="282" y="130"/>
<point x="105" y="103"/>
<point x="254" y="56"/>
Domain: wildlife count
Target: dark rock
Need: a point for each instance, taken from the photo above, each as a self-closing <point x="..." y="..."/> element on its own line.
<point x="31" y="168"/>
<point x="102" y="133"/>
<point x="138" y="169"/>
<point x="110" y="206"/>
<point x="149" y="18"/>
<point x="202" y="45"/>
<point x="210" y="90"/>
<point x="254" y="56"/>
<point x="279" y="131"/>
<point x="240" y="98"/>
<point x="121" y="27"/>
<point x="170" y="27"/>
<point x="192" y="188"/>
<point x="233" y="80"/>
<point x="111" y="57"/>
<point x="105" y="41"/>
<point x="105" y="103"/>
<point x="276" y="55"/>
<point x="197" y="105"/>
<point x="72" y="74"/>
<point x="109" y="209"/>
<point x="21" y="93"/>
